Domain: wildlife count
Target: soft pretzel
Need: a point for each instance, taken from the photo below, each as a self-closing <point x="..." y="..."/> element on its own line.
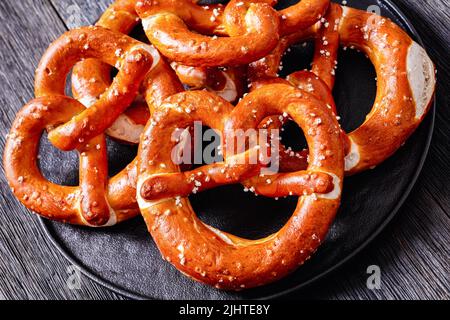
<point x="217" y="258"/>
<point x="167" y="30"/>
<point x="97" y="201"/>
<point x="405" y="80"/>
<point x="405" y="87"/>
<point x="91" y="77"/>
<point x="133" y="59"/>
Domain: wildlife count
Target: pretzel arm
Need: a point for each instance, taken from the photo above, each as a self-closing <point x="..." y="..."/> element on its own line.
<point x="163" y="186"/>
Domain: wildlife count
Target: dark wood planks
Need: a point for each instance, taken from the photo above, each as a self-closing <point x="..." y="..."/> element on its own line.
<point x="29" y="265"/>
<point x="412" y="252"/>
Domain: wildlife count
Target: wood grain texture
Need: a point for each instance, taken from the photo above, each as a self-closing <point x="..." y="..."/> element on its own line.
<point x="412" y="252"/>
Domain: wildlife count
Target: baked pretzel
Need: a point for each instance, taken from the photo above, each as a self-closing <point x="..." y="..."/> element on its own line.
<point x="217" y="258"/>
<point x="405" y="87"/>
<point x="133" y="59"/>
<point x="165" y="25"/>
<point x="97" y="201"/>
<point x="405" y="79"/>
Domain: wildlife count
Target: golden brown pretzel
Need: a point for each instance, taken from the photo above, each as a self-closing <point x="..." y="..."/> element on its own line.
<point x="166" y="28"/>
<point x="405" y="80"/>
<point x="217" y="258"/>
<point x="97" y="201"/>
<point x="133" y="59"/>
<point x="326" y="35"/>
<point x="405" y="87"/>
<point x="319" y="82"/>
<point x="91" y="77"/>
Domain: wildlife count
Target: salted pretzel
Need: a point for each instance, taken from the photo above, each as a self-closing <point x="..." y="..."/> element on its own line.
<point x="97" y="201"/>
<point x="215" y="257"/>
<point x="405" y="80"/>
<point x="166" y="26"/>
<point x="318" y="82"/>
<point x="91" y="77"/>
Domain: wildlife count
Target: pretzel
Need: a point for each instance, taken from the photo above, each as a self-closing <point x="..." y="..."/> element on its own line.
<point x="405" y="87"/>
<point x="97" y="201"/>
<point x="133" y="59"/>
<point x="165" y="26"/>
<point x="400" y="63"/>
<point x="215" y="257"/>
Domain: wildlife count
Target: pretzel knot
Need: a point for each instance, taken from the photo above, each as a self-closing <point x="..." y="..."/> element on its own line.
<point x="133" y="59"/>
<point x="209" y="255"/>
<point x="97" y="201"/>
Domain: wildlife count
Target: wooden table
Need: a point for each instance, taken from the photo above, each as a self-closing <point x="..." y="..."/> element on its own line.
<point x="413" y="252"/>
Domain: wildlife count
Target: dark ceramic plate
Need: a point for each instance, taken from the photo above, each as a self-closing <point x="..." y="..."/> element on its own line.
<point x="125" y="259"/>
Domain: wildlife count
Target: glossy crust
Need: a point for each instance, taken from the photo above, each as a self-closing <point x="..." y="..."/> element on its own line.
<point x="219" y="259"/>
<point x="405" y="80"/>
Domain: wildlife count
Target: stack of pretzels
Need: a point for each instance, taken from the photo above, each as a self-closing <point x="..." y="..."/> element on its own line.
<point x="228" y="56"/>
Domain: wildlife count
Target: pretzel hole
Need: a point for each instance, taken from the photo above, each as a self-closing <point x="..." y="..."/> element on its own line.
<point x="292" y="136"/>
<point x="355" y="88"/>
<point x="285" y="4"/>
<point x="230" y="209"/>
<point x="57" y="166"/>
<point x="119" y="155"/>
<point x="139" y="34"/>
<point x="296" y="58"/>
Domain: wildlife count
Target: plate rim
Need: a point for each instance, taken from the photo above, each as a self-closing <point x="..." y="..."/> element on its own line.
<point x="430" y="118"/>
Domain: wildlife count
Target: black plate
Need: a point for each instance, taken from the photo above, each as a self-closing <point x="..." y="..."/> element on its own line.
<point x="125" y="259"/>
